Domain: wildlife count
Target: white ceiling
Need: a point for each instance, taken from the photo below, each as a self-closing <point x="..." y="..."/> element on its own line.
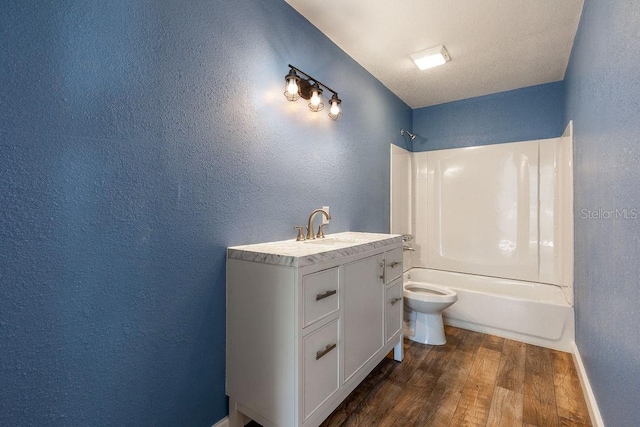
<point x="495" y="45"/>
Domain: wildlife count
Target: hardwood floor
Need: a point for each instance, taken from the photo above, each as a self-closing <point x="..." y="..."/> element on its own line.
<point x="473" y="380"/>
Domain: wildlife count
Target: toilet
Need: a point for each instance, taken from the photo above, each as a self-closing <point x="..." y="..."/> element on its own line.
<point x="424" y="304"/>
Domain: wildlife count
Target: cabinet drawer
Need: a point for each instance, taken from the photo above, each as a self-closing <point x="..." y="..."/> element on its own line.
<point x="320" y="293"/>
<point x="320" y="361"/>
<point x="393" y="309"/>
<point x="393" y="264"/>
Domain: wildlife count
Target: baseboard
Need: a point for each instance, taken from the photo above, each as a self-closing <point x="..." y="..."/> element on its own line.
<point x="225" y="422"/>
<point x="594" y="412"/>
<point x="222" y="423"/>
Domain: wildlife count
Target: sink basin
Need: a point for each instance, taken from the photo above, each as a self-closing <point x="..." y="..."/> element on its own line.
<point x="323" y="242"/>
<point x="336" y="241"/>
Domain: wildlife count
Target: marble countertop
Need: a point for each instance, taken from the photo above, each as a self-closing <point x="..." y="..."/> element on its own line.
<point x="300" y="254"/>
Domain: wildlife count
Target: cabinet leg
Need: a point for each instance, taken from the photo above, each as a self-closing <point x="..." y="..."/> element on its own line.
<point x="236" y="418"/>
<point x="398" y="350"/>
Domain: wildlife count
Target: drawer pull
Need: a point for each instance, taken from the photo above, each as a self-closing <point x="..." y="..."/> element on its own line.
<point x="395" y="264"/>
<point x="320" y="354"/>
<point x="326" y="295"/>
<point x="395" y="300"/>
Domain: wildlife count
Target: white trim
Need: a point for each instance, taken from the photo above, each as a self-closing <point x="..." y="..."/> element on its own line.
<point x="594" y="411"/>
<point x="222" y="423"/>
<point x="225" y="422"/>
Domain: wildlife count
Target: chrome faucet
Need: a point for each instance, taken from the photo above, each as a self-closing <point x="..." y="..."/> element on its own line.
<point x="310" y="225"/>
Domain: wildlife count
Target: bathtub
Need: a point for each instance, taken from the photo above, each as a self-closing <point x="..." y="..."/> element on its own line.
<point x="533" y="313"/>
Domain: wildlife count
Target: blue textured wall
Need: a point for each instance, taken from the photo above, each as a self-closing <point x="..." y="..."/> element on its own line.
<point x="534" y="112"/>
<point x="603" y="99"/>
<point x="139" y="139"/>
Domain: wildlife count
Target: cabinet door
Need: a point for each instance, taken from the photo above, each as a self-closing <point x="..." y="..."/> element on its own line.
<point x="363" y="312"/>
<point x="393" y="308"/>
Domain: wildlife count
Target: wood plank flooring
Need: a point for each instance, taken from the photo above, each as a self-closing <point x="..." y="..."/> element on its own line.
<point x="473" y="380"/>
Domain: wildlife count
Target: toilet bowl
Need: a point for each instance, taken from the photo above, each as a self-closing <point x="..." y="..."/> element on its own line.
<point x="424" y="304"/>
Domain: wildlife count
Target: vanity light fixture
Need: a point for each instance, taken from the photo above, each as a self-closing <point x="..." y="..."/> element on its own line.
<point x="311" y="89"/>
<point x="431" y="57"/>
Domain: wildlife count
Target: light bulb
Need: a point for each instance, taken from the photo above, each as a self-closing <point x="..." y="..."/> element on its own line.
<point x="335" y="108"/>
<point x="315" y="99"/>
<point x="315" y="102"/>
<point x="292" y="87"/>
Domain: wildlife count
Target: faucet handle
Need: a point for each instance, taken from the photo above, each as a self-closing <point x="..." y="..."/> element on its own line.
<point x="320" y="234"/>
<point x="300" y="233"/>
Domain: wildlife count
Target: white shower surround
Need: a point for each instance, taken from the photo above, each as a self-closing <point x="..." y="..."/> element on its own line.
<point x="519" y="307"/>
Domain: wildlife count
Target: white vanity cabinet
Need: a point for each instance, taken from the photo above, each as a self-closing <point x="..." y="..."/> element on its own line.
<point x="303" y="330"/>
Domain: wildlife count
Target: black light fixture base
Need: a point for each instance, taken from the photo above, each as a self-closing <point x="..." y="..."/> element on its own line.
<point x="305" y="89"/>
